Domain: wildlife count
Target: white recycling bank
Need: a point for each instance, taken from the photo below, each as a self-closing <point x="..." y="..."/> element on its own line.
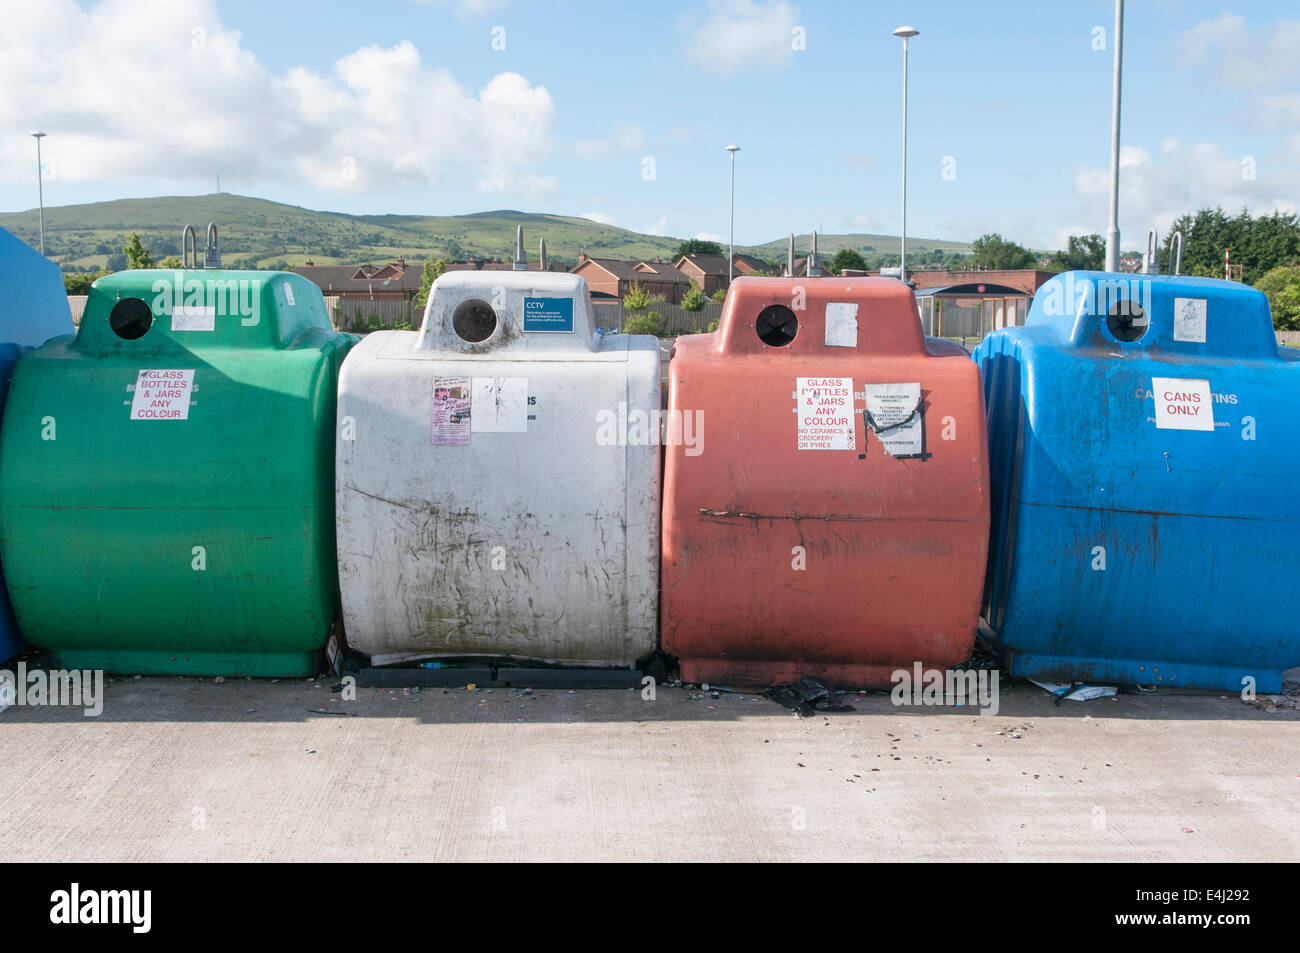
<point x="482" y="507"/>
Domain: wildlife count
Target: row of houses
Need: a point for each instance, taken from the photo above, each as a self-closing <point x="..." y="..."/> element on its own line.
<point x="607" y="278"/>
<point x="611" y="279"/>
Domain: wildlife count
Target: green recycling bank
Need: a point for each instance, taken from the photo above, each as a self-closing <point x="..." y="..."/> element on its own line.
<point x="167" y="477"/>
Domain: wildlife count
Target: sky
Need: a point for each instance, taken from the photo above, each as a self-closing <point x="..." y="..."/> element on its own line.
<point x="621" y="112"/>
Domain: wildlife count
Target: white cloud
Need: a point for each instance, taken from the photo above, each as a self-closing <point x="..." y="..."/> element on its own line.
<point x="1185" y="177"/>
<point x="599" y="217"/>
<point x="184" y="99"/>
<point x="711" y="237"/>
<point x="624" y="136"/>
<point x="734" y="35"/>
<point x="656" y="228"/>
<point x="467" y="9"/>
<point x="1258" y="58"/>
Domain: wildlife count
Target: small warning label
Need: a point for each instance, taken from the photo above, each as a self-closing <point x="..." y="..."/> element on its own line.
<point x="1183" y="404"/>
<point x="842" y="324"/>
<point x="194" y="317"/>
<point x="162" y="395"/>
<point x="825" y="412"/>
<point x="1189" y="320"/>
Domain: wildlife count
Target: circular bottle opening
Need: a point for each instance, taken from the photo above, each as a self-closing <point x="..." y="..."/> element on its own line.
<point x="130" y="319"/>
<point x="1127" y="320"/>
<point x="474" y="320"/>
<point x="776" y="325"/>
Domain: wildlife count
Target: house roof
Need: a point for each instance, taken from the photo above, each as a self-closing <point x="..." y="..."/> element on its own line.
<point x="801" y="266"/>
<point x="973" y="290"/>
<point x="708" y="264"/>
<point x="479" y="265"/>
<point x="396" y="276"/>
<point x="753" y="262"/>
<point x="634" y="270"/>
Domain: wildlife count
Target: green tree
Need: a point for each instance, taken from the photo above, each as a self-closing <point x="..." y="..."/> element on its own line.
<point x="1258" y="245"/>
<point x="137" y="256"/>
<point x="433" y="270"/>
<point x="848" y="258"/>
<point x="697" y="246"/>
<point x="1084" y="253"/>
<point x="995" y="252"/>
<point x="171" y="261"/>
<point x="637" y="298"/>
<point x="80" y="284"/>
<point x="694" y="299"/>
<point x="720" y="295"/>
<point x="1282" y="285"/>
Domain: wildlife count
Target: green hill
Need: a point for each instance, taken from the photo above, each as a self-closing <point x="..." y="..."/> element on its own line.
<point x="259" y="233"/>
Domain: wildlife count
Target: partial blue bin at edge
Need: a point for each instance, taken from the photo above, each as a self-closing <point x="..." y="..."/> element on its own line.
<point x="33" y="309"/>
<point x="1127" y="546"/>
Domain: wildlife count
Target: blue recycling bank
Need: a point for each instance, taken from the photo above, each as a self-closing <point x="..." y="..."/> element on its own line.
<point x="1145" y="445"/>
<point x="33" y="309"/>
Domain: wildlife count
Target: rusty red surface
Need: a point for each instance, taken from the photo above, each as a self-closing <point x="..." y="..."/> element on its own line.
<point x="848" y="563"/>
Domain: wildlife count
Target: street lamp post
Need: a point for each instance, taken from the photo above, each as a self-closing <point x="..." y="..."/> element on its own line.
<point x="40" y="186"/>
<point x="1112" y="234"/>
<point x="906" y="32"/>
<point x="731" y="242"/>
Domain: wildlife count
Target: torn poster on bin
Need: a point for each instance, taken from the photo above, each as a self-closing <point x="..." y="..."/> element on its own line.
<point x="825" y="413"/>
<point x="451" y="408"/>
<point x="500" y="405"/>
<point x="893" y="414"/>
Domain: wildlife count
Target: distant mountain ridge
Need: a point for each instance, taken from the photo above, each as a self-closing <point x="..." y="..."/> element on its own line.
<point x="256" y="232"/>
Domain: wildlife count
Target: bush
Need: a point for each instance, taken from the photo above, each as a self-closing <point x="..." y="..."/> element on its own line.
<point x="650" y="322"/>
<point x="713" y="325"/>
<point x="636" y="298"/>
<point x="694" y="299"/>
<point x="1282" y="285"/>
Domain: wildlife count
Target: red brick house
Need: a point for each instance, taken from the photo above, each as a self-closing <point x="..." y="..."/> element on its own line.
<point x="397" y="281"/>
<point x="615" y="276"/>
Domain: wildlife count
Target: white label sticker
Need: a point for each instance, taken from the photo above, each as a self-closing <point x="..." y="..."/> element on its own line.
<point x="499" y="405"/>
<point x="162" y="395"/>
<point x="893" y="414"/>
<point x="1183" y="404"/>
<point x="825" y="413"/>
<point x="288" y="293"/>
<point x="1189" y="320"/>
<point x="194" y="317"/>
<point x="841" y="324"/>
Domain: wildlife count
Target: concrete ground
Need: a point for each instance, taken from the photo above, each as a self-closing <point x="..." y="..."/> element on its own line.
<point x="189" y="770"/>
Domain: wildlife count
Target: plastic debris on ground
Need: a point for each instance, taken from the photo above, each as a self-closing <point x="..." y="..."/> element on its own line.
<point x="1078" y="692"/>
<point x="806" y="696"/>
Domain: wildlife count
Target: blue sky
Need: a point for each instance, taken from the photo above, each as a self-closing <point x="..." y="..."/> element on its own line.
<point x="412" y="107"/>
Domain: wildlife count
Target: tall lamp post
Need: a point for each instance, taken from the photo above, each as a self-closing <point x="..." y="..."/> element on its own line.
<point x="731" y="242"/>
<point x="40" y="185"/>
<point x="906" y="32"/>
<point x="1112" y="234"/>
